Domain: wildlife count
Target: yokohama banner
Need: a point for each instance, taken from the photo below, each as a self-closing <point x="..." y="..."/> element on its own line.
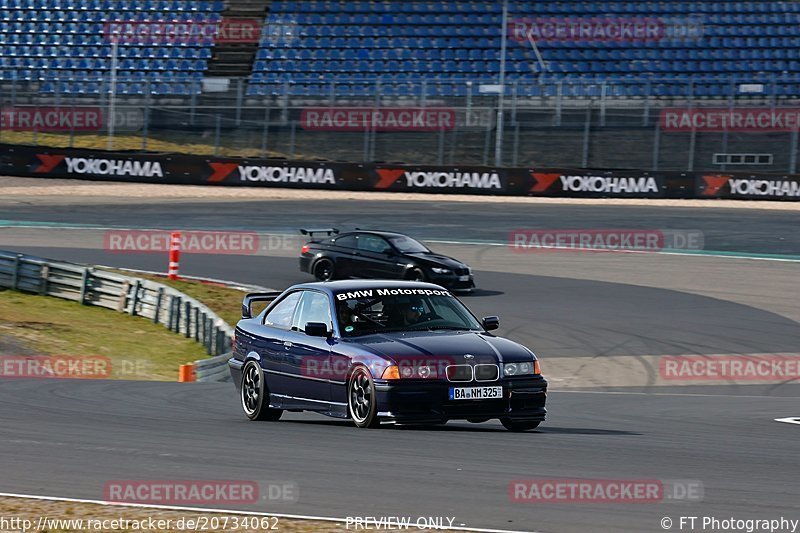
<point x="204" y="170"/>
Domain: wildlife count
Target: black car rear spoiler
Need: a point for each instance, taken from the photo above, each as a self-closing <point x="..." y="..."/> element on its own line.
<point x="311" y="232"/>
<point x="247" y="303"/>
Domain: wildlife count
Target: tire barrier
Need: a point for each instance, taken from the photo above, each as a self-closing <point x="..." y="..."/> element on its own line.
<point x="32" y="161"/>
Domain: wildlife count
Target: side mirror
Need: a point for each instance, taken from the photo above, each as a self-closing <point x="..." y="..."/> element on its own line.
<point x="491" y="323"/>
<point x="317" y="329"/>
<point x="389" y="252"/>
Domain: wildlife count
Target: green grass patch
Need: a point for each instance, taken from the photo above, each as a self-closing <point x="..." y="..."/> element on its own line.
<point x="138" y="348"/>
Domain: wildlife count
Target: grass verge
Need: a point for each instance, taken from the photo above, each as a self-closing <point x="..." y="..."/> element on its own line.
<point x="137" y="348"/>
<point x="186" y="145"/>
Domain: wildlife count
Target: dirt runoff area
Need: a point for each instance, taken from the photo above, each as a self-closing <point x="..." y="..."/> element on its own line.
<point x="19" y="514"/>
<point x="66" y="189"/>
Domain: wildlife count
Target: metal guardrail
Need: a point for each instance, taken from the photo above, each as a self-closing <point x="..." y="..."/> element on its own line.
<point x="134" y="296"/>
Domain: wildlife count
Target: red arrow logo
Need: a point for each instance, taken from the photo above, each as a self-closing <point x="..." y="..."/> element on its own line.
<point x="543" y="181"/>
<point x="48" y="162"/>
<point x="714" y="184"/>
<point x="387" y="177"/>
<point x="221" y="171"/>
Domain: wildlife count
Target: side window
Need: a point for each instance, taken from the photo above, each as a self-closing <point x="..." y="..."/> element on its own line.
<point x="281" y="314"/>
<point x="348" y="241"/>
<point x="314" y="307"/>
<point x="372" y="243"/>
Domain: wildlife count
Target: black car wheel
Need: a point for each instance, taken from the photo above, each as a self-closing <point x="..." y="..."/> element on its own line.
<point x="416" y="274"/>
<point x="519" y="425"/>
<point x="255" y="396"/>
<point x="361" y="400"/>
<point x="324" y="270"/>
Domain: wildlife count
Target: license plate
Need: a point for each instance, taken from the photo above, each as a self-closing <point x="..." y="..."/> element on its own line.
<point x="476" y="393"/>
<point x="463" y="278"/>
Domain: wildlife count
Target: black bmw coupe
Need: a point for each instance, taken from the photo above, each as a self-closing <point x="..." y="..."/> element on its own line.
<point x="380" y="255"/>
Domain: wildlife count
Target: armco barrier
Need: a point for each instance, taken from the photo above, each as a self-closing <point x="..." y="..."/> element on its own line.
<point x="137" y="297"/>
<point x="34" y="161"/>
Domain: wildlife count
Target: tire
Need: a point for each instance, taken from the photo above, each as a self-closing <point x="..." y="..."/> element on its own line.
<point x="255" y="392"/>
<point x="415" y="274"/>
<point x="324" y="270"/>
<point x="519" y="425"/>
<point x="362" y="403"/>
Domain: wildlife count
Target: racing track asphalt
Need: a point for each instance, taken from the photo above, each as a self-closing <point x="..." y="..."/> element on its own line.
<point x="69" y="438"/>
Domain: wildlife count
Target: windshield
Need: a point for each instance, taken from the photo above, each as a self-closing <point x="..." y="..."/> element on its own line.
<point x="407" y="245"/>
<point x="383" y="310"/>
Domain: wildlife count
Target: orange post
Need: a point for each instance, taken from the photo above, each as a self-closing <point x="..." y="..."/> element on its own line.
<point x="186" y="373"/>
<point x="174" y="255"/>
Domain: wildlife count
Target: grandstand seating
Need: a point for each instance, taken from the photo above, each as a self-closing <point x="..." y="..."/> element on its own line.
<point x="66" y="45"/>
<point x="358" y="44"/>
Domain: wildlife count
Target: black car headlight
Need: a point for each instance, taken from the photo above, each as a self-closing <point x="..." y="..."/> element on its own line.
<point x="437" y="270"/>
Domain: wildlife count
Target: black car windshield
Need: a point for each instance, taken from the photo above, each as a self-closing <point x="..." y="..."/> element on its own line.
<point x="370" y="311"/>
<point x="407" y="245"/>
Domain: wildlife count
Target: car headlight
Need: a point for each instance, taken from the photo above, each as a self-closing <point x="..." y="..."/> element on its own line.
<point x="526" y="368"/>
<point x="437" y="270"/>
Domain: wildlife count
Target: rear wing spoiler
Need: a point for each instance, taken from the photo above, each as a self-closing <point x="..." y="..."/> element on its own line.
<point x="247" y="303"/>
<point x="310" y="232"/>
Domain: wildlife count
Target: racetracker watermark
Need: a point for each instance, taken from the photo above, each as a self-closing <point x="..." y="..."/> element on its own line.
<point x="149" y="32"/>
<point x="200" y="492"/>
<point x="55" y="367"/>
<point x="766" y="368"/>
<point x="612" y="491"/>
<point x="603" y="29"/>
<point x="408" y="367"/>
<point x="199" y="242"/>
<point x="606" y="240"/>
<point x="51" y="118"/>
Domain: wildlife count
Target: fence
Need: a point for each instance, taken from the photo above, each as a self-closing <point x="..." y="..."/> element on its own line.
<point x="552" y="123"/>
<point x="136" y="297"/>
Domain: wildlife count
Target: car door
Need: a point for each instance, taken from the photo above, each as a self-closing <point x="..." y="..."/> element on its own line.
<point x="377" y="258"/>
<point x="346" y="254"/>
<point x="269" y="341"/>
<point x="306" y="365"/>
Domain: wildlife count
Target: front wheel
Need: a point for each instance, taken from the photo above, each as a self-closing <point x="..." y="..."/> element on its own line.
<point x="519" y="425"/>
<point x="255" y="395"/>
<point x="415" y="274"/>
<point x="361" y="400"/>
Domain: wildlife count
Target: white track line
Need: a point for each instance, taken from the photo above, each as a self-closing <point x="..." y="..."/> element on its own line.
<point x="232" y="511"/>
<point x="790" y="420"/>
<point x="689" y="394"/>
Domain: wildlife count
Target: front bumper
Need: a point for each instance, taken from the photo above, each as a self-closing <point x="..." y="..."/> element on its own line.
<point x="451" y="281"/>
<point x="417" y="401"/>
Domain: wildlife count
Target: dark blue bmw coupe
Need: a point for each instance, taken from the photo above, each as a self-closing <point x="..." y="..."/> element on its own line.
<point x="381" y="352"/>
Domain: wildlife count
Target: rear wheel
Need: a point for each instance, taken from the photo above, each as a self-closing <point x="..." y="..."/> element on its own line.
<point x="255" y="396"/>
<point x="361" y="400"/>
<point x="324" y="270"/>
<point x="519" y="425"/>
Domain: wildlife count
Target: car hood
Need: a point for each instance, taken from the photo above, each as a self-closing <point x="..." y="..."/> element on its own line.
<point x="438" y="259"/>
<point x="451" y="345"/>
